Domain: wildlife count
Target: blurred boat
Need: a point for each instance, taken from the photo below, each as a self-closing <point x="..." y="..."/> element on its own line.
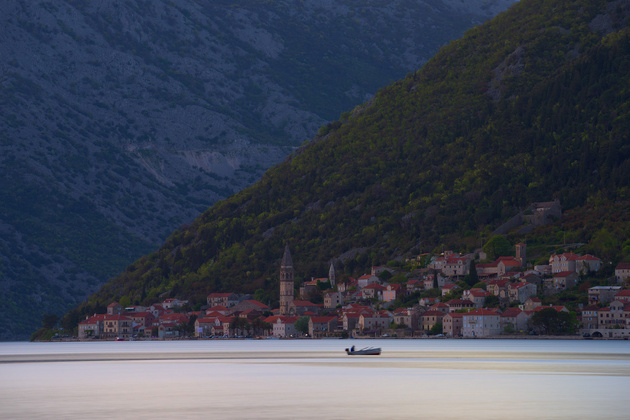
<point x="366" y="351"/>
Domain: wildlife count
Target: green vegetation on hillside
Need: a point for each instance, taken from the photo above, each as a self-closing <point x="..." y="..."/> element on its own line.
<point x="531" y="106"/>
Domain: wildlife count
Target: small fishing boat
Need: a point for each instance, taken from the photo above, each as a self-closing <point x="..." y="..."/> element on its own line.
<point x="366" y="351"/>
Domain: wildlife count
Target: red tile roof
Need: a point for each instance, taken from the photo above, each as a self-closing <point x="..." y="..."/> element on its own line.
<point x="303" y="303"/>
<point x="483" y="312"/>
<point x="511" y="312"/>
<point x="322" y="319"/>
<point x="564" y="273"/>
<point x="433" y="312"/>
<point x="117" y="318"/>
<point x="259" y="304"/>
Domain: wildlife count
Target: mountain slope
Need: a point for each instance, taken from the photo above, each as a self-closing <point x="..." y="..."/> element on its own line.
<point x="121" y="120"/>
<point x="530" y="106"/>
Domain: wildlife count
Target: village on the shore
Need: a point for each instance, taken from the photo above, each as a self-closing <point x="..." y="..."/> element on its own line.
<point x="362" y="307"/>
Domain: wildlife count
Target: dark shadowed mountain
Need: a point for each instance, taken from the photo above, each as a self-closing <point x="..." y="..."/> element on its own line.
<point x="121" y="120"/>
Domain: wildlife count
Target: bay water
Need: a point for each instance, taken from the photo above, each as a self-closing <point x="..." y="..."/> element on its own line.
<point x="315" y="379"/>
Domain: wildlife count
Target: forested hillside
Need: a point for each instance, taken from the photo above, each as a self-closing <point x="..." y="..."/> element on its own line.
<point x="531" y="106"/>
<point x="122" y="120"/>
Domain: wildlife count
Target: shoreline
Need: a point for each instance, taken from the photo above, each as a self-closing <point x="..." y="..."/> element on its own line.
<point x="497" y="337"/>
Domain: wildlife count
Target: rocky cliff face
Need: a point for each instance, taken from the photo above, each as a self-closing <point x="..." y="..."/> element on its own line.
<point x="121" y="120"/>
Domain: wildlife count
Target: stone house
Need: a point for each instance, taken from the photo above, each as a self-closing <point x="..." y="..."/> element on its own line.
<point x="613" y="316"/>
<point x="440" y="306"/>
<point x="174" y="318"/>
<point x="507" y="264"/>
<point x="157" y="310"/>
<point x="250" y="304"/>
<point x="563" y="262"/>
<point x="415" y="285"/>
<point x="173" y="303"/>
<point x="426" y="301"/>
<point x="531" y="304"/>
<point x="590" y="317"/>
<point x="521" y="291"/>
<point x="573" y="262"/>
<point x="375" y="321"/>
<point x="284" y="326"/>
<point x="560" y="282"/>
<point x="602" y="294"/>
<point x="320" y="326"/>
<point x="344" y="286"/>
<point x="373" y="291"/>
<point x="407" y="316"/>
<point x="309" y="287"/>
<point x="117" y="326"/>
<point x="481" y="323"/>
<point x="588" y="263"/>
<point x="496" y="287"/>
<point x="459" y="304"/>
<point x="302" y="307"/>
<point x="622" y="272"/>
<point x="533" y="279"/>
<point x="144" y="319"/>
<point x="222" y="299"/>
<point x="516" y="317"/>
<point x="448" y="288"/>
<point x="333" y="299"/>
<point x="92" y="326"/>
<point x="204" y="327"/>
<point x="114" y="308"/>
<point x="350" y="320"/>
<point x="623" y="296"/>
<point x="366" y="279"/>
<point x="456" y="266"/>
<point x="393" y="292"/>
<point x="430" y="318"/>
<point x="476" y="296"/>
<point x="220" y="309"/>
<point x="452" y="324"/>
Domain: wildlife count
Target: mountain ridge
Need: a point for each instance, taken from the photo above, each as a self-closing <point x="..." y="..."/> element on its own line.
<point x="122" y="120"/>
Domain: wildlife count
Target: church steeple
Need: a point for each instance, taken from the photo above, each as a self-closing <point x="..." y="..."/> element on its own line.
<point x="332" y="277"/>
<point x="286" y="258"/>
<point x="287" y="285"/>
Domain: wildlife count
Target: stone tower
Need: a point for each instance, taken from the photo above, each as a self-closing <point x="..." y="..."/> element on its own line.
<point x="286" y="283"/>
<point x="521" y="253"/>
<point x="332" y="277"/>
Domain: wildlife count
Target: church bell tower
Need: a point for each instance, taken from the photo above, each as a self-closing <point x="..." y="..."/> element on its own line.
<point x="287" y="284"/>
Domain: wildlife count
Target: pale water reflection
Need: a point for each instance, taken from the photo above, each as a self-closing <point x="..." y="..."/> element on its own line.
<point x="314" y="379"/>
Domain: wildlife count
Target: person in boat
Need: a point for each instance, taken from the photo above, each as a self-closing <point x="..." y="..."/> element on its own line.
<point x="352" y="348"/>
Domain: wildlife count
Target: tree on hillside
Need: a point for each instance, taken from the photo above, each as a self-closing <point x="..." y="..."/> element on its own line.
<point x="49" y="321"/>
<point x="497" y="246"/>
<point x="125" y="301"/>
<point x="436" y="329"/>
<point x="472" y="277"/>
<point x="550" y="321"/>
<point x="240" y="326"/>
<point x="301" y="325"/>
<point x="492" y="301"/>
<point x="385" y="275"/>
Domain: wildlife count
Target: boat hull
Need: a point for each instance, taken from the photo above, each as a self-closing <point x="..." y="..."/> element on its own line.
<point x="373" y="351"/>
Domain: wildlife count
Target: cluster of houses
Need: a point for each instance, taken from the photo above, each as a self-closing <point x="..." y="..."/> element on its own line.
<point x="363" y="306"/>
<point x="608" y="312"/>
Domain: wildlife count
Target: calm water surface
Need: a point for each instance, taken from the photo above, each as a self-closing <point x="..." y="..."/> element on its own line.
<point x="314" y="379"/>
